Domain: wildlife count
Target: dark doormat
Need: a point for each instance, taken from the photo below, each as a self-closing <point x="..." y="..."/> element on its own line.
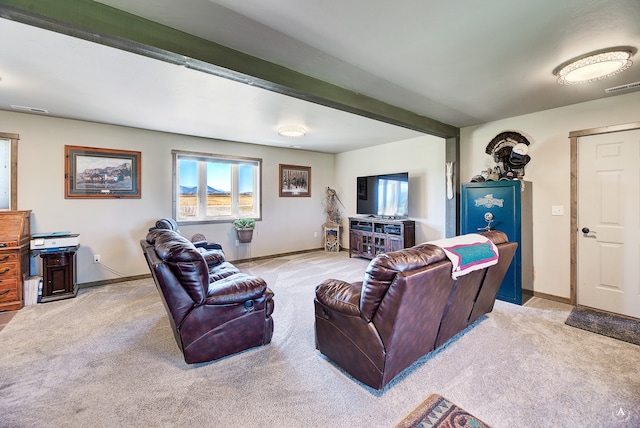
<point x="607" y="324"/>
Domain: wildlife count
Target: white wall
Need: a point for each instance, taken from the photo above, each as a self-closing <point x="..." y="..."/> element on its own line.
<point x="424" y="159"/>
<point x="113" y="227"/>
<point x="549" y="171"/>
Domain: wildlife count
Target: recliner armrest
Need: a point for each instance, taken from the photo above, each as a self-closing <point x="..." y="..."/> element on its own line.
<point x="236" y="288"/>
<point x="212" y="257"/>
<point x="208" y="245"/>
<point x="200" y="241"/>
<point x="340" y="296"/>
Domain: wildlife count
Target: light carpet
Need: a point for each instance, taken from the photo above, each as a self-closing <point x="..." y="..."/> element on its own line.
<point x="108" y="358"/>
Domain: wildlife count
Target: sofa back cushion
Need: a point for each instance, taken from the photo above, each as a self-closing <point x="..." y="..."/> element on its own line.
<point x="383" y="270"/>
<point x="185" y="261"/>
<point x="167" y="223"/>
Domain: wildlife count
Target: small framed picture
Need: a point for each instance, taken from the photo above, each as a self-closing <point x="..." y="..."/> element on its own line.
<point x="101" y="173"/>
<point x="295" y="181"/>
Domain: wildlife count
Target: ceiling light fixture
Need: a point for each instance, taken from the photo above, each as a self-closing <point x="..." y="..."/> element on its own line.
<point x="292" y="131"/>
<point x="595" y="66"/>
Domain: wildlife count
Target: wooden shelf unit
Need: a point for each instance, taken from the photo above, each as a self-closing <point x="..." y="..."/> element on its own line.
<point x="370" y="236"/>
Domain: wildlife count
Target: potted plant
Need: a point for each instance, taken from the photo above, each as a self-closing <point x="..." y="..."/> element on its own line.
<point x="244" y="229"/>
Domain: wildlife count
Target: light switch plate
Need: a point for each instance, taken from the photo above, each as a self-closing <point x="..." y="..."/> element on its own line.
<point x="557" y="210"/>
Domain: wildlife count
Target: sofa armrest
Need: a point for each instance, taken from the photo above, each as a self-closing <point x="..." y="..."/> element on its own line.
<point x="495" y="236"/>
<point x="236" y="288"/>
<point x="340" y="296"/>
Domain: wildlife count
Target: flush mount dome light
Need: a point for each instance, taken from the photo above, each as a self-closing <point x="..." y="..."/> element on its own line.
<point x="292" y="131"/>
<point x="594" y="66"/>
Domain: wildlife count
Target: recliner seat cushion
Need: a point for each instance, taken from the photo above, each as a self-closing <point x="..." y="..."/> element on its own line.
<point x="221" y="271"/>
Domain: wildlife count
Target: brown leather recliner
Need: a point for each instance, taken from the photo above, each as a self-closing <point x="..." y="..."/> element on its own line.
<point x="214" y="309"/>
<point x="407" y="306"/>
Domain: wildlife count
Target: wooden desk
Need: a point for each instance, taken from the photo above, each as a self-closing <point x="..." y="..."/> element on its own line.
<point x="15" y="234"/>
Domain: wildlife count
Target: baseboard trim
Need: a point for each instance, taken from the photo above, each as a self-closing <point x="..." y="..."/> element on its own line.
<point x="145" y="276"/>
<point x="113" y="281"/>
<point x="552" y="297"/>
<point x="273" y="256"/>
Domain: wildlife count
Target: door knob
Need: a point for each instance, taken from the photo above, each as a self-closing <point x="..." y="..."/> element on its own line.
<point x="585" y="230"/>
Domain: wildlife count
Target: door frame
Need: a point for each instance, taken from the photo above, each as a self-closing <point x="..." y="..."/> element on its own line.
<point x="574" y="136"/>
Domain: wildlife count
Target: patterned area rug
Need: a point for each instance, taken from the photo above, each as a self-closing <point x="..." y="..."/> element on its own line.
<point x="438" y="412"/>
<point x="606" y="324"/>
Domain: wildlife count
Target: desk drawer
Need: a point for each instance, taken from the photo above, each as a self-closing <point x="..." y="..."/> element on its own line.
<point x="52" y="260"/>
<point x="8" y="290"/>
<point x="8" y="270"/>
<point x="8" y="257"/>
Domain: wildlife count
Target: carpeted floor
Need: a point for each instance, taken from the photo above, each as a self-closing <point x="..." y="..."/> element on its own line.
<point x="606" y="324"/>
<point x="108" y="358"/>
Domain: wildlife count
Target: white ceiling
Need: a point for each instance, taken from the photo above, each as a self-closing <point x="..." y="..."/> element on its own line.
<point x="460" y="62"/>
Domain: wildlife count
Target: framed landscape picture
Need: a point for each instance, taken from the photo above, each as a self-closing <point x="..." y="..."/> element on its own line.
<point x="295" y="180"/>
<point x="101" y="173"/>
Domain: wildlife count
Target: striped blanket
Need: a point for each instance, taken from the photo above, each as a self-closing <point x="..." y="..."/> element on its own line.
<point x="468" y="253"/>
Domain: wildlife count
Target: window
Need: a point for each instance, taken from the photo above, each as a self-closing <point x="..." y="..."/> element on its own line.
<point x="8" y="171"/>
<point x="215" y="187"/>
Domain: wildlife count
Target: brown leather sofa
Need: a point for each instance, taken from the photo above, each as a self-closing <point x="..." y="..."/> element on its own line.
<point x="214" y="309"/>
<point x="407" y="306"/>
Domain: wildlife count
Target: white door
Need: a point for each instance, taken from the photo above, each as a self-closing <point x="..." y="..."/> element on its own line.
<point x="609" y="222"/>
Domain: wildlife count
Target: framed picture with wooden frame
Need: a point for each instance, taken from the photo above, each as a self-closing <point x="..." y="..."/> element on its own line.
<point x="295" y="181"/>
<point x="101" y="173"/>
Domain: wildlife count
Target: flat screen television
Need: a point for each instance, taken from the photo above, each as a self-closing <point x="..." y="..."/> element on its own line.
<point x="384" y="195"/>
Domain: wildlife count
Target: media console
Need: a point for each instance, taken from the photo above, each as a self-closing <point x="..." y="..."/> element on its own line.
<point x="370" y="236"/>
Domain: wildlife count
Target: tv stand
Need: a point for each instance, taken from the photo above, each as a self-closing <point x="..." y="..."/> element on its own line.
<point x="370" y="236"/>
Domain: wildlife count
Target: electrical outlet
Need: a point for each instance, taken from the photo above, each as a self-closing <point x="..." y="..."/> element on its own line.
<point x="557" y="210"/>
<point x="96" y="258"/>
<point x="237" y="243"/>
<point x="315" y="234"/>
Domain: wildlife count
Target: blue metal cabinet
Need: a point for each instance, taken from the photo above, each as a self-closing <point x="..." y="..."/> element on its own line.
<point x="504" y="206"/>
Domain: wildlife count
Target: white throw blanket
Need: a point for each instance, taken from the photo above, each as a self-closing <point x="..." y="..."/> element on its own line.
<point x="468" y="253"/>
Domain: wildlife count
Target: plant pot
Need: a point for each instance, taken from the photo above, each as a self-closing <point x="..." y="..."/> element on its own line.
<point x="244" y="235"/>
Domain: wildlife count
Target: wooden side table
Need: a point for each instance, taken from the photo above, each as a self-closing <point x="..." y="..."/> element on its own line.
<point x="59" y="274"/>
